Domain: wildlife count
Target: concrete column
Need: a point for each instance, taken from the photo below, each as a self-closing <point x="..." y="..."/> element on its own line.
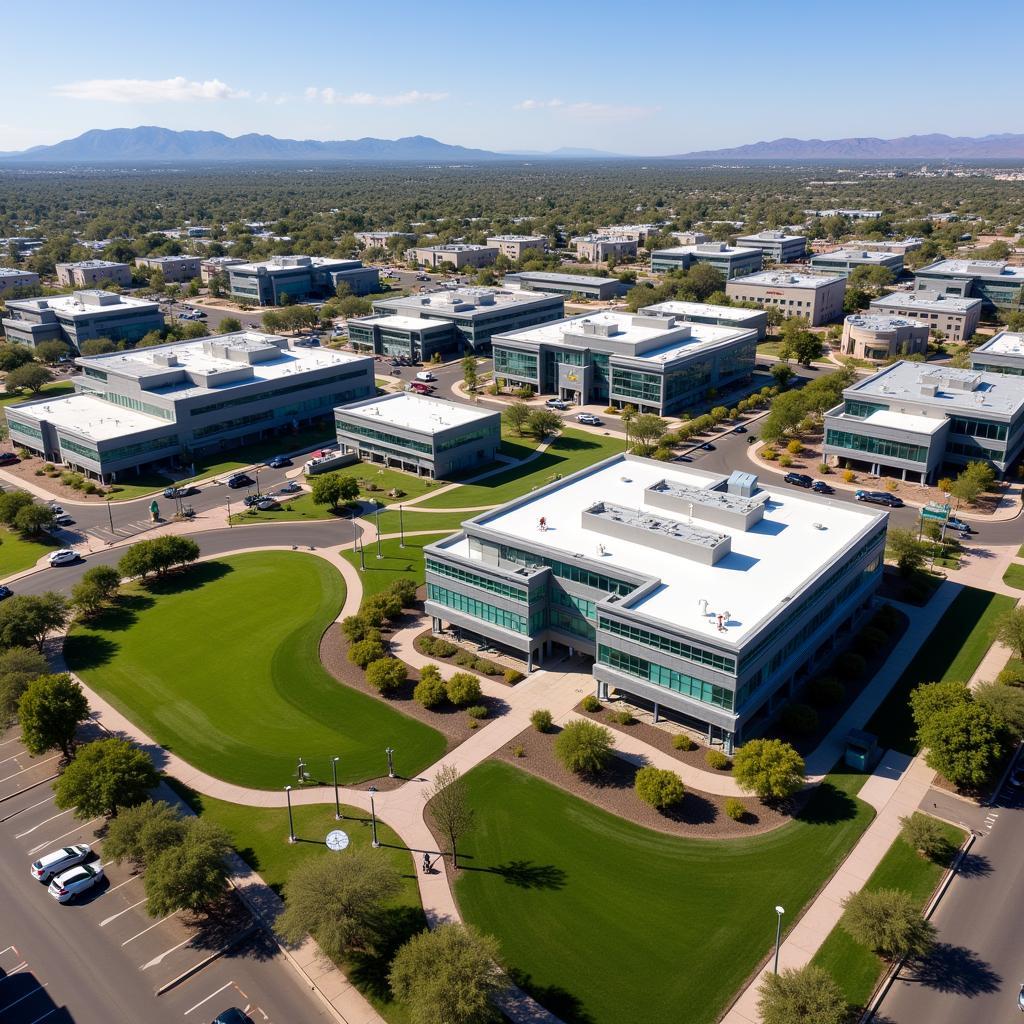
<point x="656" y="710"/>
<point x="729" y="743"/>
<point x="529" y="660"/>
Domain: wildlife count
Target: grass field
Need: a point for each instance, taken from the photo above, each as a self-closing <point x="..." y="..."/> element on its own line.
<point x="397" y="563"/>
<point x="18" y="552"/>
<point x="260" y="835"/>
<point x="54" y="389"/>
<point x="855" y="967"/>
<point x="953" y="651"/>
<point x="1014" y="576"/>
<point x="604" y="921"/>
<point x="244" y="694"/>
<point x="412" y="520"/>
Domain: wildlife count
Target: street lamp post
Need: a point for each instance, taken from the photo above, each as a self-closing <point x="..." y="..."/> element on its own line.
<point x="778" y="935"/>
<point x="110" y="516"/>
<point x="362" y="554"/>
<point x="337" y="804"/>
<point x="228" y="508"/>
<point x="390" y="751"/>
<point x="373" y="819"/>
<point x="401" y="528"/>
<point x="291" y="822"/>
<point x="377" y="521"/>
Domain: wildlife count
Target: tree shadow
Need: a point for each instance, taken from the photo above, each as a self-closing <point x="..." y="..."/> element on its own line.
<point x="368" y="969"/>
<point x="955" y="969"/>
<point x="691" y="810"/>
<point x="562" y="1003"/>
<point x="83" y="651"/>
<point x="192" y="577"/>
<point x="827" y="805"/>
<point x="524" y="874"/>
<point x="974" y="865"/>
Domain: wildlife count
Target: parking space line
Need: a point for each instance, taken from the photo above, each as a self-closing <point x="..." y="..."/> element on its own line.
<point x="114" y="917"/>
<point x="14" y="970"/>
<point x="208" y="998"/>
<point x="42" y="846"/>
<point x="13" y="739"/>
<point x="167" y="952"/>
<point x="56" y="1008"/>
<point x="8" y="950"/>
<point x="11" y="758"/>
<point x="27" y="995"/>
<point x="31" y="807"/>
<point x="29" y="768"/>
<point x="54" y="817"/>
<point x="150" y="928"/>
<point x="125" y="882"/>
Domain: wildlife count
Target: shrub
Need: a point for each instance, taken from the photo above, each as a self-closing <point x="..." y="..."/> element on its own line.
<point x="824" y="468"/>
<point x="794" y="447"/>
<point x="513" y="675"/>
<point x="1013" y="673"/>
<point x="683" y="742"/>
<point x="430" y="691"/>
<point x="477" y="711"/>
<point x="384" y="607"/>
<point x="769" y="454"/>
<point x="889" y="922"/>
<point x="584" y="747"/>
<point x="851" y="665"/>
<point x="771" y="769"/>
<point x="541" y="720"/>
<point x="518" y="750"/>
<point x="405" y="591"/>
<point x="463" y="688"/>
<point x="623" y="716"/>
<point x="735" y="808"/>
<point x="926" y="835"/>
<point x="354" y="628"/>
<point x="825" y="692"/>
<point x="785" y="459"/>
<point x="891" y="485"/>
<point x="871" y="638"/>
<point x="716" y="759"/>
<point x="426" y="643"/>
<point x="849" y="476"/>
<point x="386" y="674"/>
<point x="465" y="659"/>
<point x="590" y="703"/>
<point x="365" y="651"/>
<point x="486" y="667"/>
<point x="443" y="648"/>
<point x="886" y="618"/>
<point x="799" y="719"/>
<point x="659" y="787"/>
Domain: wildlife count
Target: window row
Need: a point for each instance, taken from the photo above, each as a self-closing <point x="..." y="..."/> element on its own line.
<point x="478" y="609"/>
<point x="664" y="643"/>
<point x="453" y="572"/>
<point x="688" y="686"/>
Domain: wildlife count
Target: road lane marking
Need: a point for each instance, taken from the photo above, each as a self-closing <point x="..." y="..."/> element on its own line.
<point x="167" y="952"/>
<point x="150" y="928"/>
<point x="114" y="917"/>
<point x="54" y="817"/>
<point x="27" y="995"/>
<point x="42" y="846"/>
<point x="208" y="998"/>
<point x="29" y="768"/>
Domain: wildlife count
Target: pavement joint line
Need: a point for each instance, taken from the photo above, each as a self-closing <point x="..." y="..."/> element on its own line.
<point x="36" y="849"/>
<point x="53" y="817"/>
<point x="150" y="928"/>
<point x="206" y="961"/>
<point x="208" y="998"/>
<point x="7" y="778"/>
<point x="114" y="917"/>
<point x="159" y="958"/>
<point x="21" y="810"/>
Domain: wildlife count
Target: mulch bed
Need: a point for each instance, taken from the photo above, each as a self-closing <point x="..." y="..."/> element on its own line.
<point x="699" y="816"/>
<point x="26" y="470"/>
<point x="456" y="667"/>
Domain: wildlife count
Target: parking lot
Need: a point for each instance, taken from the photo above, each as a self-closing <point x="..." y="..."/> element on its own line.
<point x="101" y="958"/>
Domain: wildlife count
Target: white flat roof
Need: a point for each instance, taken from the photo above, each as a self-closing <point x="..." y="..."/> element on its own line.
<point x="1005" y="343"/>
<point x="905" y="421"/>
<point x="90" y="417"/>
<point x="78" y="304"/>
<point x="882" y="321"/>
<point x="554" y="278"/>
<point x="767" y="564"/>
<point x="683" y="309"/>
<point x="516" y="238"/>
<point x="707" y="249"/>
<point x="785" y="279"/>
<point x="971" y="268"/>
<point x="772" y="236"/>
<point x="475" y="300"/>
<point x="417" y="412"/>
<point x="402" y="323"/>
<point x="932" y="302"/>
<point x="857" y="255"/>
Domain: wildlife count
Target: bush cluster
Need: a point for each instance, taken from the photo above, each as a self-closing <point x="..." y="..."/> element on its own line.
<point x="590" y="703"/>
<point x="437" y="646"/>
<point x="735" y="808"/>
<point x="717" y="759"/>
<point x="683" y="742"/>
<point x="659" y="787"/>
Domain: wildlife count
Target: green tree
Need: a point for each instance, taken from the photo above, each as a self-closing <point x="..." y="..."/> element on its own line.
<point x="104" y="776"/>
<point x="799" y="343"/>
<point x="333" y="489"/>
<point x="97" y="347"/>
<point x="30" y="377"/>
<point x="647" y="430"/>
<point x="49" y="712"/>
<point x="26" y="619"/>
<point x="18" y="667"/>
<point x="13" y="355"/>
<point x="889" y="922"/>
<point x="517" y="416"/>
<point x="338" y="900"/>
<point x="771" y="769"/>
<point x="1006" y="706"/>
<point x="808" y="995"/>
<point x="11" y="503"/>
<point x="903" y="547"/>
<point x="976" y="478"/>
<point x="449" y="807"/>
<point x="1009" y="631"/>
<point x="229" y="325"/>
<point x="929" y="699"/>
<point x="926" y="835"/>
<point x="430" y="690"/>
<point x="584" y="747"/>
<point x="659" y="787"/>
<point x="782" y="373"/>
<point x="963" y="744"/>
<point x="33" y="519"/>
<point x="450" y="975"/>
<point x="140" y="833"/>
<point x="542" y="423"/>
<point x="469" y="374"/>
<point x="191" y="875"/>
<point x="50" y="352"/>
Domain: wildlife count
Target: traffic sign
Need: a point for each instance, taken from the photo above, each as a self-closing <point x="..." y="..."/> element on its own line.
<point x="337" y="840"/>
<point x="935" y="511"/>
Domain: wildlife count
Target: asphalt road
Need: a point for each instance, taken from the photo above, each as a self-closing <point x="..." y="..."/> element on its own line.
<point x="978" y="967"/>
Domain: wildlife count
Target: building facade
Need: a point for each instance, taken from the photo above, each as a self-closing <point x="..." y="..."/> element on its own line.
<point x="819" y="297"/>
<point x="846" y="261"/>
<point x="956" y="317"/>
<point x="415" y="338"/>
<point x="299" y="278"/>
<point x="597" y="248"/>
<point x="706" y="313"/>
<point x="165" y="403"/>
<point x="655" y="363"/>
<point x="600" y="288"/>
<point x="516" y="247"/>
<point x="217" y="266"/>
<point x="1003" y="353"/>
<point x="458" y="254"/>
<point x="729" y="260"/>
<point x="897" y="245"/>
<point x="701" y="596"/>
<point x="776" y="245"/>
<point x="79" y="317"/>
<point x="93" y="273"/>
<point x="381" y="239"/>
<point x="918" y="421"/>
<point x="14" y="280"/>
<point x="995" y="282"/>
<point x="878" y="336"/>
<point x="175" y="269"/>
<point x="426" y="436"/>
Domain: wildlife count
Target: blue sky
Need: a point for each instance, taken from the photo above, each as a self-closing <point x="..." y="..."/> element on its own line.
<point x="644" y="78"/>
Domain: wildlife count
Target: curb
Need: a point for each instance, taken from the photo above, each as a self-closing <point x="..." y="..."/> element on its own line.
<point x="27" y="789"/>
<point x="206" y="961"/>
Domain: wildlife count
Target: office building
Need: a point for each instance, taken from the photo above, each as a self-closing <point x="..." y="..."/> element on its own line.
<point x="417" y="338"/>
<point x="897" y="245"/>
<point x="995" y="282"/>
<point x="458" y="254"/>
<point x="636" y="232"/>
<point x="879" y="336"/>
<point x="175" y="269"/>
<point x="600" y="288"/>
<point x="476" y="314"/>
<point x="1003" y="353"/>
<point x="217" y="266"/>
<point x="848" y="213"/>
<point x="426" y="436"/>
<point x="160" y="404"/>
<point x="597" y="248"/>
<point x="689" y="237"/>
<point x="846" y="261"/>
<point x="706" y="313"/>
<point x="704" y="597"/>
<point x="93" y="273"/>
<point x="818" y="297"/>
<point x="79" y="317"/>
<point x="921" y="422"/>
<point x="299" y="278"/>
<point x="729" y="260"/>
<point x="381" y="239"/>
<point x="655" y="363"/>
<point x="776" y="245"/>
<point x="14" y="280"/>
<point x="517" y="247"/>
<point x="957" y="318"/>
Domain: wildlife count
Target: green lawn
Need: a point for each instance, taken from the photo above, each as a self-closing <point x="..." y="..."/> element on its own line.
<point x="413" y="520"/>
<point x="572" y="450"/>
<point x="242" y="696"/>
<point x="953" y="651"/>
<point x="54" y="389"/>
<point x="261" y="837"/>
<point x="604" y="921"/>
<point x="397" y="562"/>
<point x="18" y="552"/>
<point x="1014" y="576"/>
<point x="1020" y="551"/>
<point x="855" y="967"/>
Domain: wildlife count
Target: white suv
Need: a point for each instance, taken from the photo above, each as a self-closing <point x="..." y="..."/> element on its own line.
<point x="65" y="556"/>
<point x="59" y="860"/>
<point x="67" y="886"/>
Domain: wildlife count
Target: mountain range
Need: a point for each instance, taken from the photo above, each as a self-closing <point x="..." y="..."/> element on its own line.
<point x="910" y="147"/>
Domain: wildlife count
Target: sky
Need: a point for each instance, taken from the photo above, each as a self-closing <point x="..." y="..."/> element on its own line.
<point x="654" y="78"/>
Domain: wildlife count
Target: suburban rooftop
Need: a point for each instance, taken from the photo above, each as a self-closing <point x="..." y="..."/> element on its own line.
<point x="772" y="236"/>
<point x="555" y="278"/>
<point x="454" y="247"/>
<point x="708" y="249"/>
<point x="402" y="323"/>
<point x="416" y="412"/>
<point x="972" y="268"/>
<point x="864" y="255"/>
<point x="787" y="279"/>
<point x="1005" y="343"/>
<point x="882" y="322"/>
<point x="89" y="416"/>
<point x="92" y="264"/>
<point x="80" y="303"/>
<point x="516" y="238"/>
<point x="464" y="300"/>
<point x="293" y="263"/>
<point x="680" y="308"/>
<point x="928" y="300"/>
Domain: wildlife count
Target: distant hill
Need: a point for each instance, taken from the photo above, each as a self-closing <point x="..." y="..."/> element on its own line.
<point x="910" y="147"/>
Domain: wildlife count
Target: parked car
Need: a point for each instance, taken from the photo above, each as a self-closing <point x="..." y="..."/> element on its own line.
<point x="57" y="510"/>
<point x="65" y="887"/>
<point x="422" y="277"/>
<point x="396" y="371"/>
<point x="267" y="504"/>
<point x="65" y="556"/>
<point x="707" y="446"/>
<point x="739" y="430"/>
<point x="959" y="525"/>
<point x="232" y="1015"/>
<point x="556" y="403"/>
<point x="251" y="499"/>
<point x="879" y="498"/>
<point x="279" y="462"/>
<point x="63" y="520"/>
<point x="426" y="376"/>
<point x="751" y="439"/>
<point x="8" y="458"/>
<point x="1017" y="775"/>
<point x="180" y="492"/>
<point x="5" y="592"/>
<point x="60" y="860"/>
<point x="240" y="480"/>
<point x="292" y="487"/>
<point x="590" y="419"/>
<point x="822" y="488"/>
<point x="682" y="458"/>
<point x="800" y="479"/>
<point x="418" y="388"/>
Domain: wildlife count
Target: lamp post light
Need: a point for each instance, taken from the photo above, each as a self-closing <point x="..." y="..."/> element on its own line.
<point x="110" y="516"/>
<point x="373" y="819"/>
<point x="337" y="804"/>
<point x="362" y="554"/>
<point x="778" y="935"/>
<point x="390" y="751"/>
<point x="401" y="528"/>
<point x="228" y="509"/>
<point x="291" y="822"/>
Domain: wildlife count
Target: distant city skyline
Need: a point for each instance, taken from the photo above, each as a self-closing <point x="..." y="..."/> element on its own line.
<point x="656" y="80"/>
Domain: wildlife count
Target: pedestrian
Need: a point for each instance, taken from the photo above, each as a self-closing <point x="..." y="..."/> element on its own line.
<point x="426" y="863"/>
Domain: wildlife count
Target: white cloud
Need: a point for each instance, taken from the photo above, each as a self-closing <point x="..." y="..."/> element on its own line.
<point x="538" y="104"/>
<point x="592" y="111"/>
<point x="148" y="90"/>
<point x="368" y="99"/>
